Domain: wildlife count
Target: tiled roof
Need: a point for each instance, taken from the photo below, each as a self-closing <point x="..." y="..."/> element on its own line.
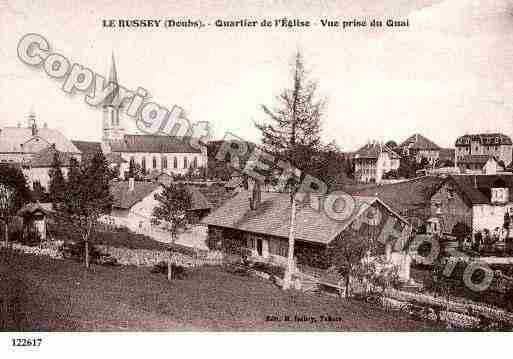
<point x="12" y="139"/>
<point x="44" y="158"/>
<point x="154" y="144"/>
<point x="406" y="195"/>
<point x="125" y="199"/>
<point x="488" y="139"/>
<point x="372" y="151"/>
<point x="272" y="217"/>
<point x="88" y="146"/>
<point x="419" y="142"/>
<point x="476" y="189"/>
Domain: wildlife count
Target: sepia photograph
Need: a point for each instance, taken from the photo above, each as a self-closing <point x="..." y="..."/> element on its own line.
<point x="267" y="166"/>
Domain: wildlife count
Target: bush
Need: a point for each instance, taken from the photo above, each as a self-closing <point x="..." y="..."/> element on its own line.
<point x="31" y="239"/>
<point x="269" y="269"/>
<point x="76" y="251"/>
<point x="178" y="272"/>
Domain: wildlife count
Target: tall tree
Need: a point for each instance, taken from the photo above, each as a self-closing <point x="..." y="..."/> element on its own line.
<point x="57" y="184"/>
<point x="173" y="204"/>
<point x="87" y="197"/>
<point x="14" y="192"/>
<point x="292" y="132"/>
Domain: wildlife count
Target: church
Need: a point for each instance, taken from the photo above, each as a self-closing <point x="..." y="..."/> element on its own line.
<point x="154" y="153"/>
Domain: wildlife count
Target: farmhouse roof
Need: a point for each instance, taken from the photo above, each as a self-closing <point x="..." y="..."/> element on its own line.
<point x="403" y="196"/>
<point x="373" y="150"/>
<point x="12" y="139"/>
<point x="272" y="216"/>
<point x="419" y="142"/>
<point x="125" y="199"/>
<point x="476" y="189"/>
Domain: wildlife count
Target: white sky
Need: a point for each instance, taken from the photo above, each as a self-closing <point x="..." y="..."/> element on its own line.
<point x="449" y="73"/>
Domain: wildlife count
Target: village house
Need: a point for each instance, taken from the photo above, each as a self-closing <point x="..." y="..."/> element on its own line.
<point x="372" y="161"/>
<point x="475" y="202"/>
<point x="495" y="145"/>
<point x="134" y="203"/>
<point x="19" y="144"/>
<point x="420" y="147"/>
<point x="36" y="169"/>
<point x="479" y="164"/>
<point x="259" y="222"/>
<point x="168" y="154"/>
<point x="410" y="198"/>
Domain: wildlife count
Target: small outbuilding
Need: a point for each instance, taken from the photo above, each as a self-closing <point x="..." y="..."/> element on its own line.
<point x="34" y="216"/>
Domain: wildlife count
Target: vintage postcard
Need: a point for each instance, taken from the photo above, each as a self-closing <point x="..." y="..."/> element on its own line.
<point x="255" y="166"/>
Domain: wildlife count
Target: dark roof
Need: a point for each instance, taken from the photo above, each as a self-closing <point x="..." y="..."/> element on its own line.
<point x="272" y="217"/>
<point x="406" y="195"/>
<point x="125" y="199"/>
<point x="154" y="144"/>
<point x="487" y="139"/>
<point x="44" y="158"/>
<point x="419" y="142"/>
<point x="32" y="207"/>
<point x="88" y="146"/>
<point x="372" y="151"/>
<point x="476" y="189"/>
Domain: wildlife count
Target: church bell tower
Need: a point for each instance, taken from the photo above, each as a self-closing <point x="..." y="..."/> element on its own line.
<point x="112" y="130"/>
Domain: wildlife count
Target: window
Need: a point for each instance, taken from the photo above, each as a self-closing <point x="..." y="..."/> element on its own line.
<point x="163" y="162"/>
<point x="185" y="162"/>
<point x="143" y="163"/>
<point x="195" y="162"/>
<point x="154" y="162"/>
<point x="499" y="195"/>
<point x="175" y="162"/>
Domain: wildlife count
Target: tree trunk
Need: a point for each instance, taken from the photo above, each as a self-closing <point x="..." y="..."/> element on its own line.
<point x="6" y="233"/>
<point x="290" y="258"/>
<point x="87" y="252"/>
<point x="169" y="268"/>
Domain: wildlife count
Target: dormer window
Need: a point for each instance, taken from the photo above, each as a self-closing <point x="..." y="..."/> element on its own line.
<point x="500" y="195"/>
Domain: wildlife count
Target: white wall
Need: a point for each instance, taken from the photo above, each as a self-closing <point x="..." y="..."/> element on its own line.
<point x="138" y="156"/>
<point x="488" y="216"/>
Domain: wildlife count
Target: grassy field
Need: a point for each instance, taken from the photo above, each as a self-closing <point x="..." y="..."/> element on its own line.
<point x="40" y="293"/>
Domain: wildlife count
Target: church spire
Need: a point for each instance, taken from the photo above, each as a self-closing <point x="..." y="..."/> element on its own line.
<point x="113" y="74"/>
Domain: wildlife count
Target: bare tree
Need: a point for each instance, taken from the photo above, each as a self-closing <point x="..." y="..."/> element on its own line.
<point x="292" y="133"/>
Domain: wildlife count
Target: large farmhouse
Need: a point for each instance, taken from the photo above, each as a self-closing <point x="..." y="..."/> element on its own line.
<point x="263" y="226"/>
<point x="477" y="202"/>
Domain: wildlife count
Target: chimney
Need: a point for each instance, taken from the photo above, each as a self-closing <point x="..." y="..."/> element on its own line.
<point x="131" y="184"/>
<point x="256" y="195"/>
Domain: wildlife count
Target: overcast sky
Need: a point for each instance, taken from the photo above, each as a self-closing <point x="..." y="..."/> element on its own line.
<point x="449" y="73"/>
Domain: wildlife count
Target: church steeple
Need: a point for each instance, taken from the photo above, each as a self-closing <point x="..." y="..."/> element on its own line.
<point x="111" y="111"/>
<point x="113" y="75"/>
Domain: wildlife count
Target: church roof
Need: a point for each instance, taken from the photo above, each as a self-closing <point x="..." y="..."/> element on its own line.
<point x="12" y="139"/>
<point x="154" y="144"/>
